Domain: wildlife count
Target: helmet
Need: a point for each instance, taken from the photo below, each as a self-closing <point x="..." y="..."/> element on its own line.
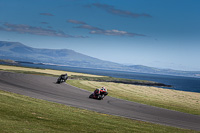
<point x="104" y="89"/>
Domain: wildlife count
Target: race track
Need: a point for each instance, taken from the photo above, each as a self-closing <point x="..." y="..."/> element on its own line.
<point x="43" y="87"/>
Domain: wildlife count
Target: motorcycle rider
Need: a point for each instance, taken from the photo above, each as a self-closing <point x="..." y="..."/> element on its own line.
<point x="102" y="91"/>
<point x="63" y="77"/>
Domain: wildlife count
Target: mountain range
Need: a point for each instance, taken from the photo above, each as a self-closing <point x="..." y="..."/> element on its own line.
<point x="19" y="52"/>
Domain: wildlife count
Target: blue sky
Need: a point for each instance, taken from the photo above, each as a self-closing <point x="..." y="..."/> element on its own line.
<point x="157" y="33"/>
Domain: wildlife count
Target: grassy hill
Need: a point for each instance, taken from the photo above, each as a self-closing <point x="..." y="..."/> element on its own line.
<point x="187" y="102"/>
<point x="19" y="113"/>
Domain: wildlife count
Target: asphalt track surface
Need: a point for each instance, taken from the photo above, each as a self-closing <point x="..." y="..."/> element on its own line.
<point x="44" y="87"/>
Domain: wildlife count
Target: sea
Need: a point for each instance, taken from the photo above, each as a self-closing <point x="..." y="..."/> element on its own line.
<point x="189" y="84"/>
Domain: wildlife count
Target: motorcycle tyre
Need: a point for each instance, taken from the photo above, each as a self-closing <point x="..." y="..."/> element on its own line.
<point x="91" y="96"/>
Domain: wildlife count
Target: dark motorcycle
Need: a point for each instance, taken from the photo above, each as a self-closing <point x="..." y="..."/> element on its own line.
<point x="62" y="79"/>
<point x="59" y="81"/>
<point x="99" y="97"/>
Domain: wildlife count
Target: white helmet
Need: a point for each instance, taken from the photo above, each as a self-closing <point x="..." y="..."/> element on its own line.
<point x="104" y="88"/>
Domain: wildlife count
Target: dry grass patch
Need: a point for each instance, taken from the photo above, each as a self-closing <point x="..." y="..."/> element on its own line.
<point x="172" y="99"/>
<point x="47" y="71"/>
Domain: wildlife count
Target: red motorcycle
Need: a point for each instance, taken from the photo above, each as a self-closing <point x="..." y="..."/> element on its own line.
<point x="99" y="97"/>
<point x="99" y="94"/>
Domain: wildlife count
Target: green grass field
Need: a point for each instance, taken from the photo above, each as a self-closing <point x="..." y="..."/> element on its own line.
<point x="22" y="114"/>
<point x="188" y="102"/>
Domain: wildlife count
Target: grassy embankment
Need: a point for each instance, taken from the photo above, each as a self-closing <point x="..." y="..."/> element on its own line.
<point x="24" y="114"/>
<point x="188" y="102"/>
<point x="20" y="113"/>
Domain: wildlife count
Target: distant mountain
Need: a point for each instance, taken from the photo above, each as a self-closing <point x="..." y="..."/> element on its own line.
<point x="153" y="70"/>
<point x="20" y="52"/>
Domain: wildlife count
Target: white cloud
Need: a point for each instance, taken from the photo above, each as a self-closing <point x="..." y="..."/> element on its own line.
<point x="96" y="30"/>
<point x="27" y="29"/>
